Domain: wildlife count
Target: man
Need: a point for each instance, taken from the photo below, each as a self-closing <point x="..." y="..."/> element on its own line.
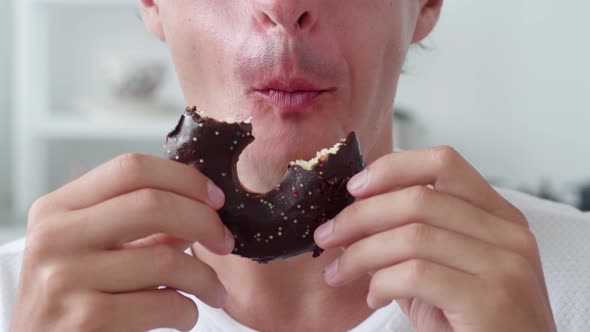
<point x="452" y="256"/>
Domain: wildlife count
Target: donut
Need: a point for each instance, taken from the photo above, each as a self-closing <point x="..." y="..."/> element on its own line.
<point x="280" y="223"/>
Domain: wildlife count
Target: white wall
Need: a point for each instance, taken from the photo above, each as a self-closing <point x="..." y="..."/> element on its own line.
<point x="5" y="97"/>
<point x="508" y="84"/>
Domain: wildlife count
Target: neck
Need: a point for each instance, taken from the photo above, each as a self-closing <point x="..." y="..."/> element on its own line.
<point x="288" y="293"/>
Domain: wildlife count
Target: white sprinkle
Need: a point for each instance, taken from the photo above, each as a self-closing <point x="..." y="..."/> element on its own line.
<point x="295" y="221"/>
<point x="217" y="133"/>
<point x="301" y="185"/>
<point x="310" y="193"/>
<point x="286" y="218"/>
<point x="280" y="228"/>
<point x="201" y="125"/>
<point x="280" y="234"/>
<point x="169" y="151"/>
<point x="177" y="157"/>
<point x="241" y="244"/>
<point x="224" y="174"/>
<point x="201" y="161"/>
<point x="270" y="237"/>
<point x="302" y="211"/>
<point x="282" y="213"/>
<point x="194" y="139"/>
<point x="299" y="206"/>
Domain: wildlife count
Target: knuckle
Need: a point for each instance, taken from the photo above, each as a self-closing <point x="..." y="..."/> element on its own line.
<point x="418" y="196"/>
<point x="500" y="298"/>
<point x="529" y="247"/>
<point x="515" y="270"/>
<point x="38" y="211"/>
<point x="417" y="234"/>
<point x="40" y="240"/>
<point x="55" y="280"/>
<point x="90" y="314"/>
<point x="445" y="157"/>
<point x="129" y="166"/>
<point x="416" y="270"/>
<point x="149" y="201"/>
<point x="164" y="257"/>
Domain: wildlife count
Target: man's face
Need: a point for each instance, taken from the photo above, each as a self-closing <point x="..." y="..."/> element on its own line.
<point x="306" y="71"/>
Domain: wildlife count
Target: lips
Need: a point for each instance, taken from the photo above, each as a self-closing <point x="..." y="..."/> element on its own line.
<point x="291" y="95"/>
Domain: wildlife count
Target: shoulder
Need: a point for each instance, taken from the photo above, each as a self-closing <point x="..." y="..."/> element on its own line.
<point x="562" y="233"/>
<point x="11" y="257"/>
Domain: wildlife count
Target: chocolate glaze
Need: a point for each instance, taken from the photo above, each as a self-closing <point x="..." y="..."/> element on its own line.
<point x="273" y="225"/>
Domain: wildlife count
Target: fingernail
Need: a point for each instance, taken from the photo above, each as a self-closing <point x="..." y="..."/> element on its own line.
<point x="358" y="181"/>
<point x="331" y="270"/>
<point x="229" y="239"/>
<point x="323" y="232"/>
<point x="216" y="196"/>
<point x="222" y="296"/>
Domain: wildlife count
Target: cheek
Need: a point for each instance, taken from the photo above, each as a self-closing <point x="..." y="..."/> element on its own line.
<point x="376" y="52"/>
<point x="199" y="37"/>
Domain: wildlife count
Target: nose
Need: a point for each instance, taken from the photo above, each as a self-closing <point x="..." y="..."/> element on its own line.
<point x="293" y="16"/>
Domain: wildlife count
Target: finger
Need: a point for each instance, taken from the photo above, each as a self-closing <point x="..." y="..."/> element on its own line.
<point x="149" y="310"/>
<point x="132" y="172"/>
<point x="441" y="167"/>
<point x="416" y="241"/>
<point x="421" y="205"/>
<point x="158" y="239"/>
<point x="445" y="288"/>
<point x="143" y="213"/>
<point x="131" y="270"/>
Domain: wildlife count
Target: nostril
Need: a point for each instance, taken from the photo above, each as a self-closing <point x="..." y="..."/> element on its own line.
<point x="265" y="20"/>
<point x="304" y="19"/>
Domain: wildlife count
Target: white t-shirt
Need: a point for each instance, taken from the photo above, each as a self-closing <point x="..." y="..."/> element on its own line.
<point x="563" y="234"/>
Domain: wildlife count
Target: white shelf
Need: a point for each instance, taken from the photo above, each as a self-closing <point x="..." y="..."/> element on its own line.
<point x="123" y="128"/>
<point x="36" y="125"/>
<point x="78" y="3"/>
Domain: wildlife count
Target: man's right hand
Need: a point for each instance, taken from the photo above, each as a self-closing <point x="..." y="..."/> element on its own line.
<point x="99" y="249"/>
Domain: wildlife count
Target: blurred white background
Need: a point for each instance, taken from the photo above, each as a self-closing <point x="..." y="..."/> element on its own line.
<point x="505" y="82"/>
<point x="5" y="97"/>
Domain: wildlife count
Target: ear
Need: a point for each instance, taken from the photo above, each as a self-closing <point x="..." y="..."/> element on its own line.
<point x="427" y="19"/>
<point x="150" y="13"/>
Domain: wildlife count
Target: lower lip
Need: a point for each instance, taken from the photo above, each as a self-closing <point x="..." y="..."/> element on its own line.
<point x="296" y="101"/>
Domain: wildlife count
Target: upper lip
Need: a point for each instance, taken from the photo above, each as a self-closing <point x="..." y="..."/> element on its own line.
<point x="291" y="85"/>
